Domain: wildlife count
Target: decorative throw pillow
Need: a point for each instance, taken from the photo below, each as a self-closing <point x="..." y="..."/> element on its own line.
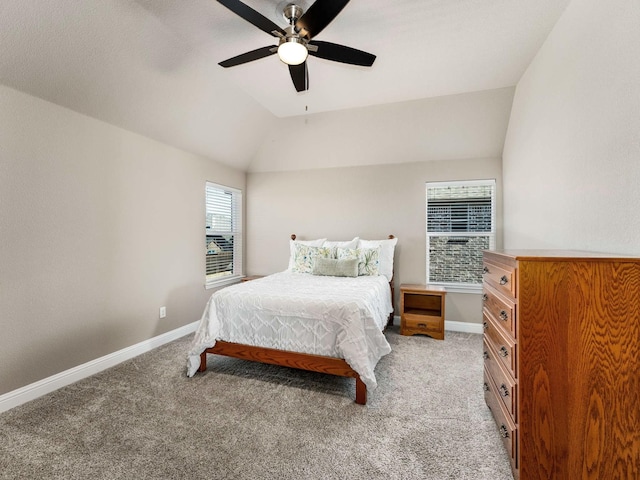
<point x="368" y="259"/>
<point x="336" y="268"/>
<point x="344" y="244"/>
<point x="387" y="248"/>
<point x="292" y="248"/>
<point x="305" y="256"/>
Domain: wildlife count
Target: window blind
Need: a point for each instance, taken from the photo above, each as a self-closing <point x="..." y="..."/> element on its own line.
<point x="223" y="233"/>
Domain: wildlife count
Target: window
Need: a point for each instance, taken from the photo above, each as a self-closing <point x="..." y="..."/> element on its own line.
<point x="460" y="225"/>
<point x="223" y="234"/>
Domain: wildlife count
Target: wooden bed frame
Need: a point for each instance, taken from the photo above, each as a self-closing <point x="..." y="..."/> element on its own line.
<point x="302" y="361"/>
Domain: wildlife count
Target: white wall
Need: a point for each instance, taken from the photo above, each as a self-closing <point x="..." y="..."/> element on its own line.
<point x="571" y="164"/>
<point x="381" y="157"/>
<point x="470" y="125"/>
<point x="99" y="227"/>
<point x="371" y="202"/>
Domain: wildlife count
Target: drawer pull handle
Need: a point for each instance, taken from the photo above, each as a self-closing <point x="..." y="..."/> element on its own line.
<point x="485" y="355"/>
<point x="503" y="280"/>
<point x="485" y="269"/>
<point x="504" y="352"/>
<point x="485" y="387"/>
<point x="422" y="325"/>
<point x="485" y="297"/>
<point x="485" y="325"/>
<point x="504" y="431"/>
<point x="504" y="391"/>
<point x="504" y="315"/>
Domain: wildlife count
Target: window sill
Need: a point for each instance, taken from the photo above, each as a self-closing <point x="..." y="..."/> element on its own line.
<point x="451" y="288"/>
<point x="222" y="282"/>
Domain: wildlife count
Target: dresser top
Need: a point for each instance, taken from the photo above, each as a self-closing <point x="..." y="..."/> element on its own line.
<point x="560" y="255"/>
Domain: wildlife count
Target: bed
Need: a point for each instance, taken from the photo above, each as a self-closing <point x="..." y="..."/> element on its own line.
<point x="303" y="319"/>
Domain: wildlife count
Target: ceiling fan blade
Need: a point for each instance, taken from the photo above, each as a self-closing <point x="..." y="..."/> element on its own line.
<point x="251" y="16"/>
<point x="300" y="76"/>
<point x="249" y="56"/>
<point x="318" y="16"/>
<point x="341" y="53"/>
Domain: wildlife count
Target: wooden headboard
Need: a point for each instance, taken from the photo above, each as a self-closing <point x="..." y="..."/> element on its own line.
<point x="293" y="236"/>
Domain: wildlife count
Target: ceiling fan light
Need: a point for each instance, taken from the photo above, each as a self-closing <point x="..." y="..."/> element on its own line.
<point x="292" y="51"/>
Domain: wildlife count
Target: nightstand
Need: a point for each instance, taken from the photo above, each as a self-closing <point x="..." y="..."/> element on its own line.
<point x="248" y="278"/>
<point x="422" y="310"/>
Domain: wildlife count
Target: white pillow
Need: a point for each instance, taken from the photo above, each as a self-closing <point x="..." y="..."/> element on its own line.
<point x="348" y="244"/>
<point x="387" y="248"/>
<point x="292" y="248"/>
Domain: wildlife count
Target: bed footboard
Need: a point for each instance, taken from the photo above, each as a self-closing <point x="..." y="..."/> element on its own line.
<point x="302" y="361"/>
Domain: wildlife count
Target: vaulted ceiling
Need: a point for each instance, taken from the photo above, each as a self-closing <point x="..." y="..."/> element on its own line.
<point x="151" y="66"/>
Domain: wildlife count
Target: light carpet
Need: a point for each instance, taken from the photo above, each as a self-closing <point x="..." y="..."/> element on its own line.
<point x="144" y="419"/>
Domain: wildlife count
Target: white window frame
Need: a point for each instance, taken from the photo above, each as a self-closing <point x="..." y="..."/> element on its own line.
<point x="232" y="228"/>
<point x="460" y="287"/>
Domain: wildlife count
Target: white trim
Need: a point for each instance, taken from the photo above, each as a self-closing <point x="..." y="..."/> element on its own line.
<point x="224" y="282"/>
<point x="458" y="288"/>
<point x="62" y="379"/>
<point x="471" y="288"/>
<point x="453" y="326"/>
<point x="466" y="327"/>
<point x="219" y="186"/>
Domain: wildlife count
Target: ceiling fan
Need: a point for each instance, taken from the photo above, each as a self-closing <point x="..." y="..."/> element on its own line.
<point x="296" y="40"/>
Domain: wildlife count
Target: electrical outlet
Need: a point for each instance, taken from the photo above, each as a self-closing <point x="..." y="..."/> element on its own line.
<point x="163" y="312"/>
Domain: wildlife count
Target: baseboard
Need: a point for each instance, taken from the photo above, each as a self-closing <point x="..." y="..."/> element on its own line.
<point x="62" y="379"/>
<point x="453" y="326"/>
<point x="463" y="327"/>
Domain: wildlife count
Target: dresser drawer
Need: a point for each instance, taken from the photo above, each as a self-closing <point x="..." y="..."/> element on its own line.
<point x="505" y="384"/>
<point x="506" y="427"/>
<point x="502" y="278"/>
<point x="501" y="309"/>
<point x="504" y="346"/>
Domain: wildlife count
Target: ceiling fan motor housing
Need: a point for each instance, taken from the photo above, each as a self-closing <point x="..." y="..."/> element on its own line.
<point x="292" y="36"/>
<point x="292" y="13"/>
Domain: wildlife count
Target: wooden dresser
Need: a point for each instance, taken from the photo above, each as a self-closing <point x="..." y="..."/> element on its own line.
<point x="562" y="362"/>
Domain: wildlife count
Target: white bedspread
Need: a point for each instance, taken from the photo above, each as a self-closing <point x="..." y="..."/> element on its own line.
<point x="339" y="317"/>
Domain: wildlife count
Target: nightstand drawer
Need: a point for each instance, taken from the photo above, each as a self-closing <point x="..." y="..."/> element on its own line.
<point x="423" y="323"/>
